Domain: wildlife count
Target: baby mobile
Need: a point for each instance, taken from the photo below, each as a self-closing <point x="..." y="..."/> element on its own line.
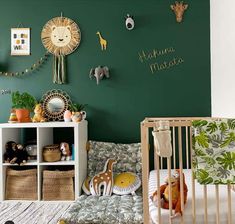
<point x="60" y="36"/>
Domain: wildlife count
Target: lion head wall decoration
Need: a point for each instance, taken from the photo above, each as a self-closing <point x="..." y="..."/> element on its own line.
<point x="60" y="36"/>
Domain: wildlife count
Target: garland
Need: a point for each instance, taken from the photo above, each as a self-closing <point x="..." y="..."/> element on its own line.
<point x="29" y="70"/>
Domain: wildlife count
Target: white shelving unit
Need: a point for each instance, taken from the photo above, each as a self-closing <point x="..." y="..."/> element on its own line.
<point x="45" y="135"/>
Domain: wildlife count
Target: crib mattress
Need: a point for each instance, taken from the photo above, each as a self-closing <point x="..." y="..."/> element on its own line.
<point x="211" y="201"/>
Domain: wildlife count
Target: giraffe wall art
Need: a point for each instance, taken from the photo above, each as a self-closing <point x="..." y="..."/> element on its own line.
<point x="103" y="42"/>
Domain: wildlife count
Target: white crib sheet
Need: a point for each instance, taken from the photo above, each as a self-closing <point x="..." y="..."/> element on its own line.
<point x="211" y="201"/>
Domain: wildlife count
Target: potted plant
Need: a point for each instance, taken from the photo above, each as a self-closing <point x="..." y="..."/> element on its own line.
<point x="23" y="103"/>
<point x="78" y="112"/>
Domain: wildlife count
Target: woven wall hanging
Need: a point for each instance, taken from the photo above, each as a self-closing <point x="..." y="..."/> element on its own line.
<point x="60" y="36"/>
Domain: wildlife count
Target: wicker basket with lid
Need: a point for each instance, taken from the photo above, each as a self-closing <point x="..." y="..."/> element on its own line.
<point x="51" y="153"/>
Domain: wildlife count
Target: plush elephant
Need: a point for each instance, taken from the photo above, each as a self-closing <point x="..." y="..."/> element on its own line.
<point x="99" y="73"/>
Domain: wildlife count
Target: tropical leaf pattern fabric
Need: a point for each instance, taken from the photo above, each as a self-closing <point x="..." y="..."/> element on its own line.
<point x="214" y="151"/>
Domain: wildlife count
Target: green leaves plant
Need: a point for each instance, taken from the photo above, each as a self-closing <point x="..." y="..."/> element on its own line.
<point x="23" y="101"/>
<point x="76" y="107"/>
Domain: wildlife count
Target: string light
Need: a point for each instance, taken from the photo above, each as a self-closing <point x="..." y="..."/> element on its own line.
<point x="29" y="70"/>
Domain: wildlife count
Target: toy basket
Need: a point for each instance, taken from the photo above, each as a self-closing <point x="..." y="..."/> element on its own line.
<point x="21" y="184"/>
<point x="51" y="153"/>
<point x="58" y="185"/>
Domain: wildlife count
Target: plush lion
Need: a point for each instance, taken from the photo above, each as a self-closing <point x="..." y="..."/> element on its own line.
<point x="39" y="114"/>
<point x="175" y="187"/>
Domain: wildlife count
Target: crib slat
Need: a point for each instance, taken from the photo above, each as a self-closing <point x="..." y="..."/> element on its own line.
<point x="181" y="173"/>
<point x="205" y="205"/>
<point x="193" y="181"/>
<point x="145" y="169"/>
<point x="186" y="142"/>
<point x="174" y="147"/>
<point x="170" y="195"/>
<point x="158" y="192"/>
<point x="217" y="204"/>
<point x="229" y="204"/>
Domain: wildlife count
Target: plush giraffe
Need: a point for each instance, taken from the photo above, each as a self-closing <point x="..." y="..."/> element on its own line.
<point x="103" y="42"/>
<point x="103" y="179"/>
<point x="179" y="8"/>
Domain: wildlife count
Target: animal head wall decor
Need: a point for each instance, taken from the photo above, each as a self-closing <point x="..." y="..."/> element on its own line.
<point x="179" y="8"/>
<point x="129" y="21"/>
<point x="61" y="36"/>
<point x="99" y="73"/>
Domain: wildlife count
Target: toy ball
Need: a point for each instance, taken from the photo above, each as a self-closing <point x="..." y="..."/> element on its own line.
<point x="130" y="23"/>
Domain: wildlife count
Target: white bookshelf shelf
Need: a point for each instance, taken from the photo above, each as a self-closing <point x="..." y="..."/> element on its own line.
<point x="59" y="163"/>
<point x="45" y="136"/>
<point x="29" y="163"/>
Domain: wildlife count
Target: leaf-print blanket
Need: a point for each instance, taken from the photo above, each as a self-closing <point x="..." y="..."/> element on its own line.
<point x="214" y="151"/>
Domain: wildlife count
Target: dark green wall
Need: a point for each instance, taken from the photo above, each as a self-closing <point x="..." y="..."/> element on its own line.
<point x="116" y="106"/>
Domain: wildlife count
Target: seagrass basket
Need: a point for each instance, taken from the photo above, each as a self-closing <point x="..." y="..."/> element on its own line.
<point x="21" y="184"/>
<point x="51" y="153"/>
<point x="58" y="185"/>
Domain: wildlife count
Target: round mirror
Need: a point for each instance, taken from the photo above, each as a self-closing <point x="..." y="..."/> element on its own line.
<point x="55" y="103"/>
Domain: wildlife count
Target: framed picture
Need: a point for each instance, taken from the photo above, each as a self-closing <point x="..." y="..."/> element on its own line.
<point x="20" y="41"/>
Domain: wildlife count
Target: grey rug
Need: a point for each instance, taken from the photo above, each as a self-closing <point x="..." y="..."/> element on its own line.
<point x="32" y="212"/>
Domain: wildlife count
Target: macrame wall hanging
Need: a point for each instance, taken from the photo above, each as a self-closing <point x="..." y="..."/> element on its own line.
<point x="60" y="36"/>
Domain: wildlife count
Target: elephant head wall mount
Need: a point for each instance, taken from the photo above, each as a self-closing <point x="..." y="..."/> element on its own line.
<point x="99" y="73"/>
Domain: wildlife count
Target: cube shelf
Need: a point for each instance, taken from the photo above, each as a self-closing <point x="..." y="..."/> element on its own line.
<point x="46" y="134"/>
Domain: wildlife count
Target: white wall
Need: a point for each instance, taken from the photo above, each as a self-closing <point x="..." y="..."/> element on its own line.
<point x="223" y="57"/>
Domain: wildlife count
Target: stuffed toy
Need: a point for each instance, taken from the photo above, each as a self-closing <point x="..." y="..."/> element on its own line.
<point x="10" y="155"/>
<point x="65" y="151"/>
<point x="126" y="183"/>
<point x="15" y="153"/>
<point x="22" y="155"/>
<point x="103" y="179"/>
<point x="38" y="114"/>
<point x="175" y="187"/>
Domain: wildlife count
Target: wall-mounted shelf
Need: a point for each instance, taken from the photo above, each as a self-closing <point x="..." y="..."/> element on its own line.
<point x="45" y="135"/>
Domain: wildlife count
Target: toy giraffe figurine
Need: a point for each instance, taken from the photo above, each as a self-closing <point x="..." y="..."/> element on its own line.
<point x="103" y="42"/>
<point x="179" y="8"/>
<point x="104" y="179"/>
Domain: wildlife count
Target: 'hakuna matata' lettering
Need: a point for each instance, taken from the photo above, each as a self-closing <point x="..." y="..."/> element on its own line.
<point x="155" y="67"/>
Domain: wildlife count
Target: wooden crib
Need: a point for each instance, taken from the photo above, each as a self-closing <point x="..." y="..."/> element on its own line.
<point x="206" y="203"/>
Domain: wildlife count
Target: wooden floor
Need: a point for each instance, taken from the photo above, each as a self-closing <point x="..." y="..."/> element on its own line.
<point x="32" y="212"/>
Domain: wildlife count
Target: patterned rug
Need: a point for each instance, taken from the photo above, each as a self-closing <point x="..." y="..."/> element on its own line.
<point x="32" y="212"/>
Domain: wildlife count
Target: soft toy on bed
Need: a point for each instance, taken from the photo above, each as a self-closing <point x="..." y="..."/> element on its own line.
<point x="175" y="187"/>
<point x="102" y="183"/>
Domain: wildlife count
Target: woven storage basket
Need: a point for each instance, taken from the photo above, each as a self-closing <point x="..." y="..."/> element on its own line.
<point x="58" y="185"/>
<point x="51" y="153"/>
<point x="21" y="184"/>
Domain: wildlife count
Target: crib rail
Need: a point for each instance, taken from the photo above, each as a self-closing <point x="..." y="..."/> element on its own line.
<point x="181" y="131"/>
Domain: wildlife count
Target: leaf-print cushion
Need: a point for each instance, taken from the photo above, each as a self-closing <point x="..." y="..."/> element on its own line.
<point x="128" y="157"/>
<point x="214" y="151"/>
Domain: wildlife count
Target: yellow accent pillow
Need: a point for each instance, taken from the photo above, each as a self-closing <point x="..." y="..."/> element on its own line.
<point x="126" y="183"/>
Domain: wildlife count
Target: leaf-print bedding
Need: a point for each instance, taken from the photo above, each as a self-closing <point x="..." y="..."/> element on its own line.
<point x="214" y="151"/>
